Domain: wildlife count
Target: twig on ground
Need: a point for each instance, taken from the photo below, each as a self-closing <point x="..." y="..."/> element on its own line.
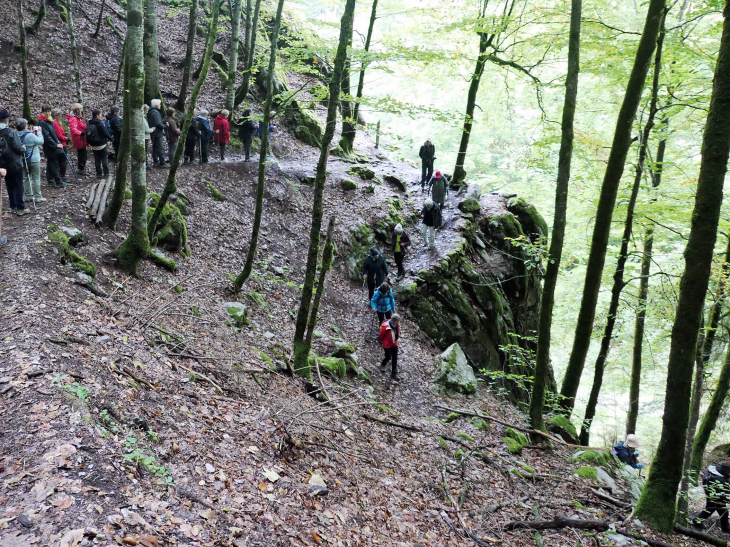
<point x="609" y="499"/>
<point x="557" y="523"/>
<point x="702" y="536"/>
<point x="394" y="424"/>
<point x="203" y="376"/>
<point x="650" y="541"/>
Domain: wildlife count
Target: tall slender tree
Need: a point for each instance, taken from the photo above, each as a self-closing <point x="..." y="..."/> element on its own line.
<point x="74" y="50"/>
<point x="623" y="255"/>
<point x="248" y="68"/>
<point x="607" y="202"/>
<point x="233" y="57"/>
<point x="100" y="19"/>
<point x="248" y="266"/>
<point x="136" y="247"/>
<point x="349" y="125"/>
<point x="301" y="352"/>
<point x="542" y="363"/>
<point x="40" y="15"/>
<point x="188" y="62"/>
<point x="151" y="52"/>
<point x="325" y="267"/>
<point x="655" y="505"/>
<point x="23" y="53"/>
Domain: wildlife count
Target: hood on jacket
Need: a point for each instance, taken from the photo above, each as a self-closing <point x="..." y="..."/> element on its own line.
<point x="221" y="117"/>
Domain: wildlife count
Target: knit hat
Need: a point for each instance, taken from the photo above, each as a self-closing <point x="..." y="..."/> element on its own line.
<point x="398" y="229"/>
<point x="437" y="175"/>
<point x="155" y="103"/>
<point x="632" y="441"/>
<point x="374" y="251"/>
<point x="4" y="114"/>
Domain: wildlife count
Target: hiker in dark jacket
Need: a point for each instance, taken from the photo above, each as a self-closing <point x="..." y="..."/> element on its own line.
<point x="427" y="153"/>
<point x="11" y="159"/>
<point x="383" y="302"/>
<point x="431" y="216"/>
<point x="99" y="138"/>
<point x="374" y="270"/>
<point x="173" y="133"/>
<point x="191" y="140"/>
<point x="716" y="484"/>
<point x="154" y="119"/>
<point x="115" y="122"/>
<point x="400" y="241"/>
<point x="52" y="148"/>
<point x="439" y="189"/>
<point x="206" y="133"/>
<point x="247" y="128"/>
<point x="627" y="453"/>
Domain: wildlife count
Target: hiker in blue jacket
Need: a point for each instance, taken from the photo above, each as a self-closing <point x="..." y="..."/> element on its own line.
<point x="383" y="302"/>
<point x="206" y="133"/>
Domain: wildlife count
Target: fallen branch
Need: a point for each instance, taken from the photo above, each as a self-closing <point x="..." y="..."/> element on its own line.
<point x="650" y="541"/>
<point x="394" y="424"/>
<point x="200" y="375"/>
<point x="609" y="499"/>
<point x="702" y="536"/>
<point x="129" y="372"/>
<point x="92" y="289"/>
<point x="558" y="523"/>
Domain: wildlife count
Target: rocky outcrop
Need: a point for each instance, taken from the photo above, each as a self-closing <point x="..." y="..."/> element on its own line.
<point x="453" y="374"/>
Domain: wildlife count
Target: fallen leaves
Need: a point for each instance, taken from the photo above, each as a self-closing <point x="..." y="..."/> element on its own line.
<point x="272" y="475"/>
<point x="72" y="538"/>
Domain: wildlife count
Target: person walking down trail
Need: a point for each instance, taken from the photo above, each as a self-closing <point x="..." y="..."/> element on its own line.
<point x="52" y="148"/>
<point x="431" y="219"/>
<point x="3" y="239"/>
<point x="147" y="135"/>
<point x="192" y="138"/>
<point x="400" y="241"/>
<point x="389" y="336"/>
<point x="716" y="484"/>
<point x="439" y="189"/>
<point x="56" y="114"/>
<point x="77" y="127"/>
<point x="246" y="130"/>
<point x="374" y="270"/>
<point x="205" y="134"/>
<point x="427" y="153"/>
<point x="98" y="137"/>
<point x="11" y="159"/>
<point x="222" y="129"/>
<point x="32" y="140"/>
<point x="154" y="120"/>
<point x="173" y="133"/>
<point x="627" y="453"/>
<point x="383" y="302"/>
<point x="114" y="127"/>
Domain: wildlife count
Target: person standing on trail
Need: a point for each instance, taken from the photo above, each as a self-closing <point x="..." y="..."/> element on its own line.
<point x="374" y="271"/>
<point x="400" y="241"/>
<point x="99" y="137"/>
<point x="154" y="119"/>
<point x="427" y="153"/>
<point x="192" y="138"/>
<point x="56" y="114"/>
<point x="205" y="133"/>
<point x="32" y="140"/>
<point x="115" y="128"/>
<point x="627" y="453"/>
<point x="222" y="129"/>
<point x="52" y="148"/>
<point x="247" y="128"/>
<point x="716" y="484"/>
<point x="11" y="159"/>
<point x="389" y="336"/>
<point x="438" y="189"/>
<point x="77" y="127"/>
<point x="173" y="133"/>
<point x="383" y="302"/>
<point x="431" y="219"/>
<point x="3" y="239"/>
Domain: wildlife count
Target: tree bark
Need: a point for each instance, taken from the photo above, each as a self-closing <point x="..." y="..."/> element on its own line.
<point x="136" y="247"/>
<point x="151" y="52"/>
<point x="248" y="266"/>
<point x="189" y="50"/>
<point x="242" y="91"/>
<point x="300" y="349"/>
<point x="655" y="505"/>
<point x="171" y="183"/>
<point x="74" y="51"/>
<point x="100" y="19"/>
<point x="122" y="71"/>
<point x="327" y="256"/>
<point x="23" y="53"/>
<point x="623" y="255"/>
<point x="542" y="363"/>
<point x="32" y="29"/>
<point x="233" y="61"/>
<point x="607" y="202"/>
<point x="349" y="124"/>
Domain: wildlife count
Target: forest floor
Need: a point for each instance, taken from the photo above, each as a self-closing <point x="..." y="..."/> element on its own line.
<point x="144" y="418"/>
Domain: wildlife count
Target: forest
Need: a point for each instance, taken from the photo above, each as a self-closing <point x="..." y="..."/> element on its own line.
<point x="391" y="272"/>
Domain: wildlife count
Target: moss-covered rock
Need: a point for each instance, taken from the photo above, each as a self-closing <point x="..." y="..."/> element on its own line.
<point x="513" y="446"/>
<point x="561" y="425"/>
<point x="304" y="124"/>
<point x="587" y="472"/>
<point x="358" y="245"/>
<point x="215" y="193"/>
<point x="75" y="236"/>
<point x="596" y="457"/>
<point x="237" y="312"/>
<point x="334" y="366"/>
<point x="517" y="436"/>
<point x="396" y="181"/>
<point x="532" y="222"/>
<point x="342" y="349"/>
<point x="158" y="257"/>
<point x="453" y="374"/>
<point x="363" y="172"/>
<point x="76" y="261"/>
<point x="348" y="184"/>
<point x="405" y="291"/>
<point x="470" y="205"/>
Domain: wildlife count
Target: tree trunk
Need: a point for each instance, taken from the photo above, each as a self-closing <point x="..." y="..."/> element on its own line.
<point x="300" y="349"/>
<point x="248" y="266"/>
<point x="122" y="71"/>
<point x="32" y="29"/>
<point x="242" y="91"/>
<point x="542" y="363"/>
<point x="171" y="184"/>
<point x="74" y="52"/>
<point x="607" y="202"/>
<point x="100" y="19"/>
<point x="655" y="505"/>
<point x="623" y="255"/>
<point x="136" y="247"/>
<point x="188" y="63"/>
<point x="349" y="124"/>
<point x="646" y="259"/>
<point x="233" y="61"/>
<point x="246" y="35"/>
<point x="23" y="53"/>
<point x="327" y="256"/>
<point x="151" y="52"/>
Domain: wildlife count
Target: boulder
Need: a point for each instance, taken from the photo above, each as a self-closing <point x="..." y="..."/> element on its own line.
<point x="397" y="181"/>
<point x="606" y="479"/>
<point x="75" y="236"/>
<point x="237" y="312"/>
<point x="342" y="349"/>
<point x="453" y="374"/>
<point x="363" y="172"/>
<point x="633" y="479"/>
<point x="532" y="222"/>
<point x="359" y="242"/>
<point x="717" y="454"/>
<point x="562" y="426"/>
<point x="348" y="185"/>
<point x="470" y="205"/>
<point x="334" y="366"/>
<point x="304" y="124"/>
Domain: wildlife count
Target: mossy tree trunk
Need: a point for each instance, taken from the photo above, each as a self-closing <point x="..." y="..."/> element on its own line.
<point x="32" y="29"/>
<point x="542" y="363"/>
<point x="324" y="268"/>
<point x="121" y="73"/>
<point x="349" y="124"/>
<point x="233" y="60"/>
<point x="242" y="91"/>
<point x="188" y="62"/>
<point x="151" y="52"/>
<point x="253" y="244"/>
<point x="23" y="53"/>
<point x="100" y="19"/>
<point x="607" y="202"/>
<point x="301" y="353"/>
<point x="655" y="505"/>
<point x="623" y="255"/>
<point x="74" y="51"/>
<point x="136" y="247"/>
<point x="171" y="183"/>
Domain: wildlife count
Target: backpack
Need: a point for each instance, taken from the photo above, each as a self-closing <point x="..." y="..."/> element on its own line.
<point x="92" y="135"/>
<point x="28" y="151"/>
<point x="108" y="126"/>
<point x="6" y="151"/>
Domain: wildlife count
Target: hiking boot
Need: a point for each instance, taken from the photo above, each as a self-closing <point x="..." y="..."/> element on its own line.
<point x="65" y="180"/>
<point x="395" y="378"/>
<point x="13" y="210"/>
<point x="40" y="200"/>
<point x="21" y="212"/>
<point x="27" y="199"/>
<point x="383" y="368"/>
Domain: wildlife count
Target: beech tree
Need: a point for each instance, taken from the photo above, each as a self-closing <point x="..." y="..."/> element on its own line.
<point x="189" y="50"/>
<point x="41" y="14"/>
<point x="233" y="57"/>
<point x="23" y="54"/>
<point x="151" y="52"/>
<point x="607" y="202"/>
<point x="542" y="362"/>
<point x="250" y="49"/>
<point x="301" y="351"/>
<point x="100" y="19"/>
<point x="74" y="51"/>
<point x="654" y="506"/>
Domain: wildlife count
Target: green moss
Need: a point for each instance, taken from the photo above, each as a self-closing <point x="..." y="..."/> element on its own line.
<point x="127" y="194"/>
<point x="513" y="446"/>
<point x="517" y="436"/>
<point x="158" y="258"/>
<point x="506" y="225"/>
<point x="527" y="468"/>
<point x="265" y="358"/>
<point x="215" y="193"/>
<point x="335" y="367"/>
<point x="301" y="360"/>
<point x="596" y="457"/>
<point x="78" y="262"/>
<point x="517" y="473"/>
<point x="532" y="221"/>
<point x="452" y="417"/>
<point x="363" y="172"/>
<point x="470" y="205"/>
<point x="348" y="184"/>
<point x="304" y="124"/>
<point x="479" y="423"/>
<point x="60" y="239"/>
<point x="133" y="250"/>
<point x="587" y="472"/>
<point x="561" y="422"/>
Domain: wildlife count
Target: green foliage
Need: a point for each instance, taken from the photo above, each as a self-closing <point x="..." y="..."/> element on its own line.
<point x="596" y="457"/>
<point x="215" y="193"/>
<point x="561" y="422"/>
<point x="79" y="391"/>
<point x="587" y="472"/>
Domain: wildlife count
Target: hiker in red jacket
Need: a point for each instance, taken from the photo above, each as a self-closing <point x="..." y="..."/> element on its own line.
<point x="389" y="336"/>
<point x="77" y="125"/>
<point x="63" y="139"/>
<point x="222" y="129"/>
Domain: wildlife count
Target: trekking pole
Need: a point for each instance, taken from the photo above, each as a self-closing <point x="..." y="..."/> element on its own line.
<point x="73" y="169"/>
<point x="30" y="182"/>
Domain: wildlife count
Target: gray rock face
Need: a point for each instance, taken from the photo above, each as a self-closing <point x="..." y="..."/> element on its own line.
<point x="606" y="480"/>
<point x="453" y="374"/>
<point x="75" y="236"/>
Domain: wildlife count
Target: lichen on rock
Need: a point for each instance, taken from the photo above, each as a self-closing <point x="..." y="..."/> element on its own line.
<point x="453" y="374"/>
